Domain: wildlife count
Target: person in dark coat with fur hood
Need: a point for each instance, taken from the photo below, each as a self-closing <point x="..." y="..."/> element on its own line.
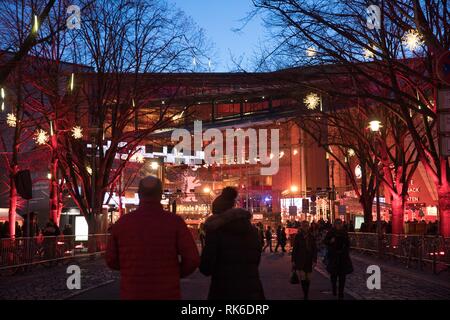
<point x="338" y="261"/>
<point x="304" y="255"/>
<point x="232" y="251"/>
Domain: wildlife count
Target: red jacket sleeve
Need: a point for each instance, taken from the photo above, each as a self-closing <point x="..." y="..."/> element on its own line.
<point x="187" y="249"/>
<point x="112" y="250"/>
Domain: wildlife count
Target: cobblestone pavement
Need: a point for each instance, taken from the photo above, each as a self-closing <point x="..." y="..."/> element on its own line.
<point x="397" y="282"/>
<point x="274" y="272"/>
<point x="98" y="282"/>
<point x="50" y="283"/>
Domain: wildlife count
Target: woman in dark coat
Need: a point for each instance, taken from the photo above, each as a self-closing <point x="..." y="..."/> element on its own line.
<point x="304" y="256"/>
<point x="232" y="251"/>
<point x="338" y="259"/>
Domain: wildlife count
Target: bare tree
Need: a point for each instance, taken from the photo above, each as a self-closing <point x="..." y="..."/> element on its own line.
<point x="115" y="106"/>
<point x="403" y="54"/>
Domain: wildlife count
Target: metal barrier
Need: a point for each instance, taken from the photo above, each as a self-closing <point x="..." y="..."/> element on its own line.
<point x="422" y="249"/>
<point x="25" y="252"/>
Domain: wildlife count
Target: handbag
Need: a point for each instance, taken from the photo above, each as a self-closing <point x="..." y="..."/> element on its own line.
<point x="294" y="278"/>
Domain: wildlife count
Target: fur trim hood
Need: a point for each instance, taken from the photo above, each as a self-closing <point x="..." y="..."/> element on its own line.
<point x="218" y="220"/>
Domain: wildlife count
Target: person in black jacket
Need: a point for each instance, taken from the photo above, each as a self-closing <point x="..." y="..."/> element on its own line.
<point x="304" y="256"/>
<point x="283" y="239"/>
<point x="338" y="259"/>
<point x="268" y="236"/>
<point x="278" y="238"/>
<point x="232" y="251"/>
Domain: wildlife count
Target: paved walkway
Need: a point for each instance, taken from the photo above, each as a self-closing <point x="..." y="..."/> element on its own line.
<point x="98" y="282"/>
<point x="274" y="271"/>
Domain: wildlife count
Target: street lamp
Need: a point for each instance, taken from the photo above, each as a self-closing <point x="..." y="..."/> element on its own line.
<point x="375" y="126"/>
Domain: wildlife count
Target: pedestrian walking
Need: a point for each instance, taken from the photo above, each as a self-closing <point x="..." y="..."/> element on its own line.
<point x="152" y="248"/>
<point x="261" y="234"/>
<point x="283" y="239"/>
<point x="304" y="256"/>
<point x="268" y="237"/>
<point x="232" y="251"/>
<point x="201" y="234"/>
<point x="51" y="231"/>
<point x="278" y="232"/>
<point x="338" y="259"/>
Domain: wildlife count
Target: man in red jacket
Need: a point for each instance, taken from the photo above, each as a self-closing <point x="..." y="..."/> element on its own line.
<point x="152" y="248"/>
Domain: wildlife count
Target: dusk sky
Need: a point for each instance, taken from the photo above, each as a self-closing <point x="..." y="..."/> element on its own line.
<point x="218" y="18"/>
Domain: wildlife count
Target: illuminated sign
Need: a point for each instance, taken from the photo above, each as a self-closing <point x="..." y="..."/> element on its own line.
<point x="81" y="229"/>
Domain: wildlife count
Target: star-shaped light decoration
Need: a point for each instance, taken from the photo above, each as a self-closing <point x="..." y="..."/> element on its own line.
<point x="11" y="120"/>
<point x="311" y="101"/>
<point x="77" y="132"/>
<point x="412" y="39"/>
<point x="351" y="152"/>
<point x="368" y="53"/>
<point x="41" y="137"/>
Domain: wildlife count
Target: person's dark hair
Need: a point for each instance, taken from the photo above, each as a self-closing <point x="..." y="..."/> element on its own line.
<point x="150" y="188"/>
<point x="225" y="201"/>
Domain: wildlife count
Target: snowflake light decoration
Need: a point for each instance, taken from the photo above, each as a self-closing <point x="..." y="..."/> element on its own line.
<point x="311" y="101"/>
<point x="41" y="137"/>
<point x="412" y="39"/>
<point x="77" y="132"/>
<point x="11" y="120"/>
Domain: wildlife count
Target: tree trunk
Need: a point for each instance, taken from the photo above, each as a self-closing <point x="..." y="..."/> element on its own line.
<point x="444" y="209"/>
<point x="120" y="206"/>
<point x="54" y="190"/>
<point x="398" y="210"/>
<point x="91" y="220"/>
<point x="367" y="209"/>
<point x="12" y="204"/>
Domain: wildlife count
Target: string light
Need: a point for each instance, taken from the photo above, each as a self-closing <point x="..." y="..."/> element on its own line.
<point x="2" y="95"/>
<point x="311" y="101"/>
<point x="41" y="137"/>
<point x="11" y="120"/>
<point x="36" y="24"/>
<point x="72" y="81"/>
<point x="412" y="39"/>
<point x="178" y="116"/>
<point x="77" y="132"/>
